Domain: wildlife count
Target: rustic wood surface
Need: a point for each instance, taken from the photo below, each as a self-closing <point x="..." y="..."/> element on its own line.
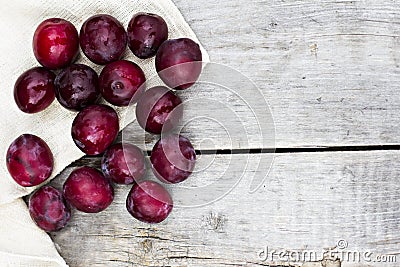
<point x="329" y="69"/>
<point x="308" y="202"/>
<point x="330" y="73"/>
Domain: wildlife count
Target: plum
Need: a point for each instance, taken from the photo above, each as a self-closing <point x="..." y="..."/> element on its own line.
<point x="178" y="63"/>
<point x="48" y="209"/>
<point x="95" y="128"/>
<point x="55" y="43"/>
<point x="123" y="163"/>
<point x="29" y="160"/>
<point x="146" y="32"/>
<point x="88" y="190"/>
<point x="173" y="158"/>
<point x="77" y="87"/>
<point x="159" y="109"/>
<point x="122" y="82"/>
<point x="149" y="202"/>
<point x="103" y="39"/>
<point x="34" y="90"/>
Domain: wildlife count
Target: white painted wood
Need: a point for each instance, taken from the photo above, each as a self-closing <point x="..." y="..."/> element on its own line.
<point x="308" y="202"/>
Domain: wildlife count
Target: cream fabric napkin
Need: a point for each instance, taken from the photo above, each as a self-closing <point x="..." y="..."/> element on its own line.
<point x="21" y="242"/>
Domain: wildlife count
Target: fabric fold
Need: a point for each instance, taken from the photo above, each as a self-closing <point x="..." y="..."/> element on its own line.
<point x="22" y="243"/>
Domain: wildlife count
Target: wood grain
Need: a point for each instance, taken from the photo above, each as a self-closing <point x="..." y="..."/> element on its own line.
<point x="308" y="202"/>
<point x="329" y="70"/>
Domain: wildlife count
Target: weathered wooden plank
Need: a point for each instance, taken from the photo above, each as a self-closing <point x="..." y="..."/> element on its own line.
<point x="308" y="202"/>
<point x="329" y="70"/>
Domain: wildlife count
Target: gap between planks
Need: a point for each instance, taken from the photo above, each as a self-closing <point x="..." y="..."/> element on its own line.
<point x="280" y="150"/>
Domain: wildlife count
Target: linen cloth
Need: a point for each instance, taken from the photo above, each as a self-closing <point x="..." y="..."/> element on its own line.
<point x="22" y="243"/>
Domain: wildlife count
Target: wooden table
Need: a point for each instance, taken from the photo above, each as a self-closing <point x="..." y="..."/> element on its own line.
<point x="330" y="71"/>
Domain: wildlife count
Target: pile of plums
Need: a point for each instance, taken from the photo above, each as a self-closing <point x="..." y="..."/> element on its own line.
<point x="79" y="88"/>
